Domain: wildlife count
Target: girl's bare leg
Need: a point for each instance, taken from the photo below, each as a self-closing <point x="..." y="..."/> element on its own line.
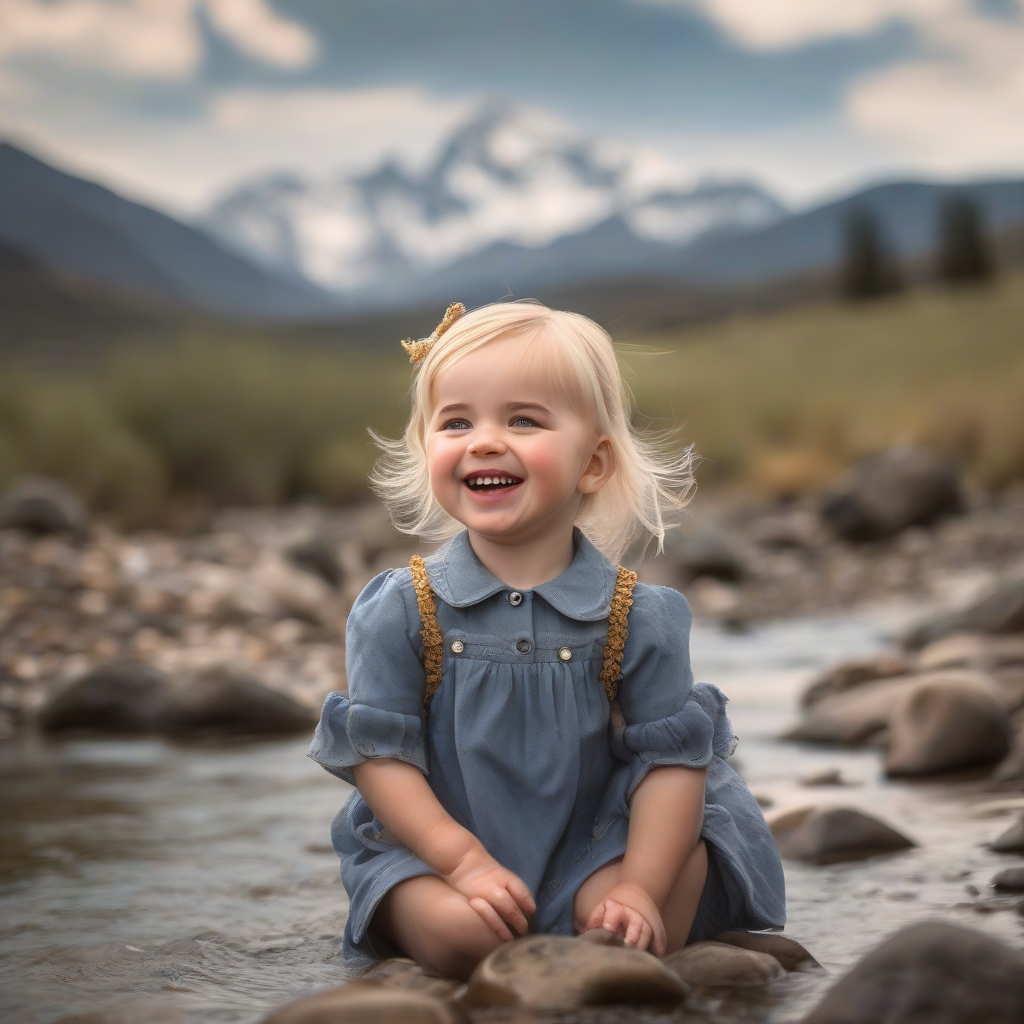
<point x="436" y="926"/>
<point x="680" y="907"/>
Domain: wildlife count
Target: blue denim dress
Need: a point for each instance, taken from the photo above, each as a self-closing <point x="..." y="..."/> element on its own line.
<point x="517" y="746"/>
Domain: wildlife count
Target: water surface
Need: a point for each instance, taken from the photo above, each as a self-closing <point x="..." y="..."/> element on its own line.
<point x="145" y="881"/>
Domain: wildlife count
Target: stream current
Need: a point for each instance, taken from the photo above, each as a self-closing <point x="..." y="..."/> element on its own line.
<point x="146" y="881"/>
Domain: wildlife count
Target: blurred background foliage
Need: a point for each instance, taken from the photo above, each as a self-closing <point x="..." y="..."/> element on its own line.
<point x="780" y="401"/>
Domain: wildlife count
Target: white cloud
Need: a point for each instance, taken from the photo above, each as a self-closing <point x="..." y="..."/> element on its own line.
<point x="962" y="109"/>
<point x="259" y="31"/>
<point x="181" y="164"/>
<point x="959" y="108"/>
<point x="148" y="38"/>
<point x="783" y="24"/>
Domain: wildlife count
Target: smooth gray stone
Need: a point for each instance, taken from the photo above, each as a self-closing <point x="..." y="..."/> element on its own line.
<point x="929" y="973"/>
<point x="723" y="965"/>
<point x="829" y="835"/>
<point x="43" y="505"/>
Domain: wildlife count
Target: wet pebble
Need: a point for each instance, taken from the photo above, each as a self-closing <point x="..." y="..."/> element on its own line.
<point x="1009" y="880"/>
<point x="720" y="965"/>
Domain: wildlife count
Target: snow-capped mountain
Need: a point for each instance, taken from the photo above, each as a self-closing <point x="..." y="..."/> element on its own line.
<point x="506" y="177"/>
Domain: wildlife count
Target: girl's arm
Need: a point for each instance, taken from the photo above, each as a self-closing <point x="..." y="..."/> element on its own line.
<point x="404" y="803"/>
<point x="666" y="812"/>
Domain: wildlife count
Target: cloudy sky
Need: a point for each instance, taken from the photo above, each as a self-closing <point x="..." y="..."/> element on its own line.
<point x="172" y="101"/>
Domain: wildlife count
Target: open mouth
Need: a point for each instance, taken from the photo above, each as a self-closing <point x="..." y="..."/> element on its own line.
<point x="490" y="480"/>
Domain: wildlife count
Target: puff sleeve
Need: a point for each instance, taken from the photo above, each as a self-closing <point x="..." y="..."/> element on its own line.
<point x="381" y="713"/>
<point x="668" y="719"/>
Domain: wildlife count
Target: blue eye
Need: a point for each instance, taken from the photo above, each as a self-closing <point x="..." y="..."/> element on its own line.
<point x="523" y="421"/>
<point x="456" y="425"/>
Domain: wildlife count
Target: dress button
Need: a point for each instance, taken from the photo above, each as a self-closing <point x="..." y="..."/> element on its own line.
<point x="524" y="647"/>
<point x="565" y="654"/>
<point x="458" y="647"/>
<point x="515" y="599"/>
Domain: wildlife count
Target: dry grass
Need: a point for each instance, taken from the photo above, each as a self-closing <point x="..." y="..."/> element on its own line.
<point x="781" y="401"/>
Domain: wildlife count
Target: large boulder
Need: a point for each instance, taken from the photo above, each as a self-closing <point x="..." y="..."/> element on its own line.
<point x="828" y="835"/>
<point x="929" y="973"/>
<point x="707" y="552"/>
<point x="722" y="965"/>
<point x="316" y="554"/>
<point x="855" y="716"/>
<point x="228" y="700"/>
<point x="999" y="612"/>
<point x="43" y="505"/>
<point x="555" y="972"/>
<point x="947" y="722"/>
<point x="849" y="674"/>
<point x="369" y="1002"/>
<point x="884" y="494"/>
<point x="121" y="697"/>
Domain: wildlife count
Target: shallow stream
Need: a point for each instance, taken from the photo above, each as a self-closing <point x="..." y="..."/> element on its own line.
<point x="144" y="881"/>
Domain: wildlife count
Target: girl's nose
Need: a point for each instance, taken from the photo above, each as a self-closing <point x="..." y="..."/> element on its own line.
<point x="485" y="443"/>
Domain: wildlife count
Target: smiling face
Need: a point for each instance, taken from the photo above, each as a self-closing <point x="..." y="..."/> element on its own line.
<point x="509" y="455"/>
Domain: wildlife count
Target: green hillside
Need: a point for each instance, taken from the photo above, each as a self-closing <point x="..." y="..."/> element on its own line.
<point x="778" y="400"/>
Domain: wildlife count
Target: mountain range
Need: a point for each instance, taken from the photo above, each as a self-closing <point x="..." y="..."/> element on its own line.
<point x="511" y="203"/>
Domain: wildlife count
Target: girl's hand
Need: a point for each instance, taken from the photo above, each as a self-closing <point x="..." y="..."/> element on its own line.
<point x="629" y="912"/>
<point x="494" y="892"/>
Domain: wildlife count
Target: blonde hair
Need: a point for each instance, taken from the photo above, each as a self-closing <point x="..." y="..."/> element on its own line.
<point x="651" y="484"/>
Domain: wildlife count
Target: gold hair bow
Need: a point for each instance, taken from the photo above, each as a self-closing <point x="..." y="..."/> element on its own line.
<point x="418" y="350"/>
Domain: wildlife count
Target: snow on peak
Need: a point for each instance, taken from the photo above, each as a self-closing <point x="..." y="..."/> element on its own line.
<point x="507" y="174"/>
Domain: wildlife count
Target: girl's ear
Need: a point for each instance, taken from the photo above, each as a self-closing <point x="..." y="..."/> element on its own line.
<point x="600" y="468"/>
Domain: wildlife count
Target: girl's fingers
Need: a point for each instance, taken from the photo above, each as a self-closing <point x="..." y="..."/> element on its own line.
<point x="646" y="934"/>
<point x="507" y="907"/>
<point x="491" y="918"/>
<point x="614" y="917"/>
<point x="634" y="928"/>
<point x="596" y="918"/>
<point x="521" y="895"/>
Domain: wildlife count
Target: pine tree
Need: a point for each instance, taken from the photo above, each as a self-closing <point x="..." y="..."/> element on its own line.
<point x="867" y="269"/>
<point x="963" y="252"/>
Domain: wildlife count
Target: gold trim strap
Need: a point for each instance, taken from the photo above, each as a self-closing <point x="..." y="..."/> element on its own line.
<point x="618" y="631"/>
<point x="431" y="631"/>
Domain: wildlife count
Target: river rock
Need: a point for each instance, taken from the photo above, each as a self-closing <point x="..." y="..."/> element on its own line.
<point x="292" y="591"/>
<point x="116" y="698"/>
<point x="1009" y="880"/>
<point x="999" y="612"/>
<point x="43" y="505"/>
<point x="945" y="723"/>
<point x="317" y="555"/>
<point x="971" y="650"/>
<point x="227" y="699"/>
<point x="1012" y="840"/>
<point x="369" y="1002"/>
<point x="555" y="972"/>
<point x="884" y="494"/>
<point x="721" y="965"/>
<point x="707" y="552"/>
<point x="848" y="674"/>
<point x="929" y="973"/>
<point x="827" y="835"/>
<point x="787" y="951"/>
<point x="855" y="716"/>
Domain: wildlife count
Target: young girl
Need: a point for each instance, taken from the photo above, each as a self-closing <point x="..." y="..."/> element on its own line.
<point x="530" y="750"/>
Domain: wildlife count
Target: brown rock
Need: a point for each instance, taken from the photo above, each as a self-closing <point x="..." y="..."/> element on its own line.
<point x="1010" y="880"/>
<point x="722" y="965"/>
<point x="849" y="674"/>
<point x="405" y="974"/>
<point x="368" y="1002"/>
<point x="946" y="723"/>
<point x="828" y="835"/>
<point x="929" y="973"/>
<point x="853" y="716"/>
<point x="787" y="951"/>
<point x="43" y="505"/>
<point x="122" y="697"/>
<point x="999" y="612"/>
<point x="971" y="650"/>
<point x="555" y="972"/>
